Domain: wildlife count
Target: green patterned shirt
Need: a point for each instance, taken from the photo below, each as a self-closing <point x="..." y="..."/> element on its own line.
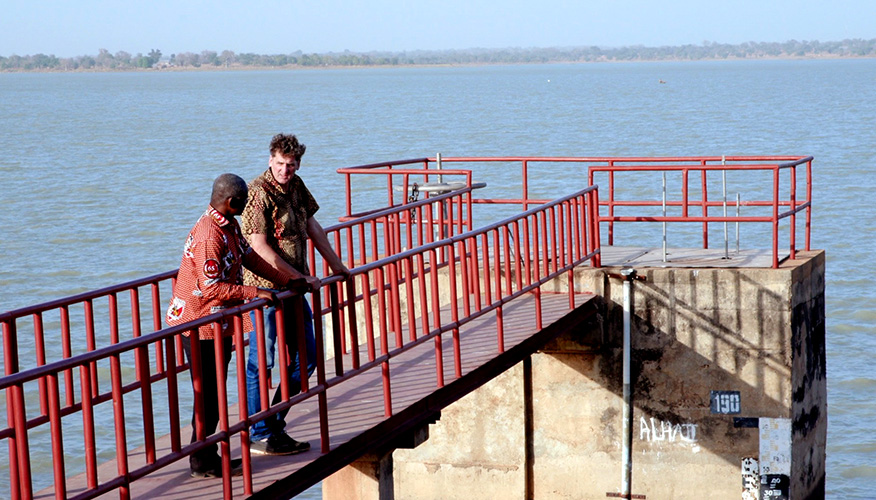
<point x="282" y="216"/>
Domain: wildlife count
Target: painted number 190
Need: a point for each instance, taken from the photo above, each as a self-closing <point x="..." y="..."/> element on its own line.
<point x="726" y="402"/>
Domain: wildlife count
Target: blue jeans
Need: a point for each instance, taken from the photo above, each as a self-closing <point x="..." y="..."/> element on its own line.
<point x="276" y="423"/>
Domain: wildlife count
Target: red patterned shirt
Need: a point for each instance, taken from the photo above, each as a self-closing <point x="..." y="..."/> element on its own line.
<point x="280" y="214"/>
<point x="211" y="273"/>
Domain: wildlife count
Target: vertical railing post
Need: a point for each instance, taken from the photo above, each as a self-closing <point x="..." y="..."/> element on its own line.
<point x="436" y="316"/>
<point x="261" y="353"/>
<point x="474" y="271"/>
<point x="17" y="405"/>
<point x="118" y="400"/>
<point x="595" y="243"/>
<point x="809" y="201"/>
<point x="724" y="205"/>
<point x="222" y="396"/>
<point x="19" y="470"/>
<point x="67" y="352"/>
<point x="40" y="347"/>
<point x="506" y="260"/>
<point x="525" y="173"/>
<point x="57" y="436"/>
<point x="322" y="398"/>
<point x="497" y="278"/>
<point x="423" y="293"/>
<point x="663" y="206"/>
<point x="91" y="344"/>
<point x="793" y="211"/>
<point x="775" y="217"/>
<point x="172" y="393"/>
<point x="337" y="334"/>
<point x="368" y="311"/>
<point x="465" y="276"/>
<point x="141" y="367"/>
<point x="88" y="435"/>
<point x="551" y="221"/>
<point x="299" y="304"/>
<point x="282" y="346"/>
<point x="454" y="309"/>
<point x="197" y="386"/>
<point x="354" y="327"/>
<point x="704" y="186"/>
<point x="242" y="402"/>
<point x="156" y="326"/>
<point x="518" y="256"/>
<point x="611" y="203"/>
<point x="348" y="194"/>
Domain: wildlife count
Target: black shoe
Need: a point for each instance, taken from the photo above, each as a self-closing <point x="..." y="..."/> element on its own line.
<point x="216" y="471"/>
<point x="278" y="444"/>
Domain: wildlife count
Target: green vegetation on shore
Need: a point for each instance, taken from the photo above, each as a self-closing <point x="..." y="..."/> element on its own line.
<point x="124" y="61"/>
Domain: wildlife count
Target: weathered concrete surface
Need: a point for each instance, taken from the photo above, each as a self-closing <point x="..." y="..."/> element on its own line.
<point x="555" y="431"/>
<point x="468" y="456"/>
<point x="369" y="478"/>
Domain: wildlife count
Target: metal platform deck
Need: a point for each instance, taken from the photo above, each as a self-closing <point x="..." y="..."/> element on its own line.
<point x="640" y="257"/>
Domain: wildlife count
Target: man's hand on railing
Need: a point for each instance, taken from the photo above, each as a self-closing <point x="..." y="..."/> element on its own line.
<point x="343" y="272"/>
<point x="309" y="283"/>
<point x="267" y="294"/>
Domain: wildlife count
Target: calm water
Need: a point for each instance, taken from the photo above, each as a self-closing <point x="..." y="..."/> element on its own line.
<point x="102" y="175"/>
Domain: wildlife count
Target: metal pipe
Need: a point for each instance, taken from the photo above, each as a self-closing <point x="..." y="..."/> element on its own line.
<point x="724" y="188"/>
<point x="664" y="216"/>
<point x="438" y="165"/>
<point x="629" y="275"/>
<point x="738" y="214"/>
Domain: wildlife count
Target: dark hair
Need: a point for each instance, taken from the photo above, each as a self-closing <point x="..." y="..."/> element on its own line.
<point x="287" y="145"/>
<point x="228" y="186"/>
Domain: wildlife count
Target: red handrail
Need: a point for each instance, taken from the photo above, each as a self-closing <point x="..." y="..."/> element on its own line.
<point x="780" y="207"/>
<point x="416" y="270"/>
<point x="783" y="198"/>
<point x="367" y="229"/>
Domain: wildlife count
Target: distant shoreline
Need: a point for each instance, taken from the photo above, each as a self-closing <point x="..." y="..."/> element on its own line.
<point x="228" y="60"/>
<point x="298" y="67"/>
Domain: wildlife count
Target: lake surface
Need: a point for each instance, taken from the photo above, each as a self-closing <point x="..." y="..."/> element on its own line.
<point x="102" y="175"/>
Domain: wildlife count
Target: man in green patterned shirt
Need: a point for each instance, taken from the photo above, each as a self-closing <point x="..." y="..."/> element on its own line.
<point x="277" y="222"/>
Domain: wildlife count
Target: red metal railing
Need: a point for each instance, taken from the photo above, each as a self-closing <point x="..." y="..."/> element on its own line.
<point x="76" y="331"/>
<point x="367" y="236"/>
<point x="542" y="244"/>
<point x="782" y="198"/>
<point x="778" y="193"/>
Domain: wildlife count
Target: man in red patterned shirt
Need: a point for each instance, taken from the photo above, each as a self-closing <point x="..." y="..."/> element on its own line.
<point x="209" y="280"/>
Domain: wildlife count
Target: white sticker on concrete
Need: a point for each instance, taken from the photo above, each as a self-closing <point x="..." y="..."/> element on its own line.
<point x="750" y="479"/>
<point x="775" y="446"/>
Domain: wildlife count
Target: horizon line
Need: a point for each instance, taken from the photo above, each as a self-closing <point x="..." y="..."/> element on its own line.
<point x="705" y="43"/>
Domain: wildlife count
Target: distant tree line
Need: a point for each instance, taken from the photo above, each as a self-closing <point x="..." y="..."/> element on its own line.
<point x="122" y="60"/>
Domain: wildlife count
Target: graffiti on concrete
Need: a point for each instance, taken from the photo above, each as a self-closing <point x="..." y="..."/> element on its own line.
<point x="652" y="430"/>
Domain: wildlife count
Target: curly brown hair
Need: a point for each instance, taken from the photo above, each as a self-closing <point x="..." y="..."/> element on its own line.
<point x="287" y="145"/>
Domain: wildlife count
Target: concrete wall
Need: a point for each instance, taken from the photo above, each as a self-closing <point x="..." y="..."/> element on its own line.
<point x="551" y="427"/>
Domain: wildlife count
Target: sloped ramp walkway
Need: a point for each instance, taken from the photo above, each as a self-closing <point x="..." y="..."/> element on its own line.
<point x="356" y="408"/>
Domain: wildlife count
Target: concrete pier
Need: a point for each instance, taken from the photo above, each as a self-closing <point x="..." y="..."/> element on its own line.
<point x="729" y="399"/>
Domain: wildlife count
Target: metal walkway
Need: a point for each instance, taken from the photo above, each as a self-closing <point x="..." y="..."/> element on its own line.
<point x="361" y="427"/>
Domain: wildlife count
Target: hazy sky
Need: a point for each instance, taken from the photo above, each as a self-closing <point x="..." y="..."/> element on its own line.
<point x="68" y="28"/>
